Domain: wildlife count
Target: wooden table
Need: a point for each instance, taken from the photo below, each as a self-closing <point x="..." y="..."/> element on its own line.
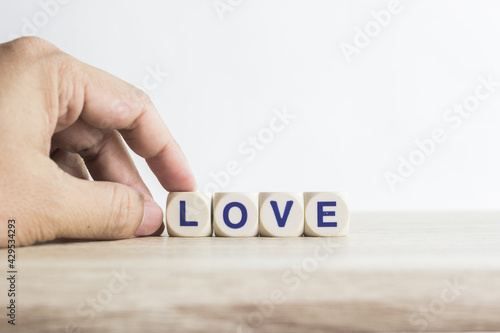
<point x="394" y="272"/>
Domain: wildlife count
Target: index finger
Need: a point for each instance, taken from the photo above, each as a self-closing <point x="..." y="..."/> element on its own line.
<point x="111" y="103"/>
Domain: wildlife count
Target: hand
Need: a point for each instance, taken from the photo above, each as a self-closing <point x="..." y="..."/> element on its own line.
<point x="59" y="118"/>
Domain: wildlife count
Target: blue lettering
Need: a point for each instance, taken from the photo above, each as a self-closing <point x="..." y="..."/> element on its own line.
<point x="281" y="220"/>
<point x="322" y="213"/>
<point x="244" y="215"/>
<point x="185" y="223"/>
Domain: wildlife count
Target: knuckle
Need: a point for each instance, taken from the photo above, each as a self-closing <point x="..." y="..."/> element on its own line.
<point x="145" y="99"/>
<point x="119" y="115"/>
<point x="131" y="108"/>
<point x="169" y="145"/>
<point x="30" y="46"/>
<point x="140" y="96"/>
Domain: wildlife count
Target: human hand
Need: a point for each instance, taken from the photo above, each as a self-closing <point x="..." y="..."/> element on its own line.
<point x="59" y="118"/>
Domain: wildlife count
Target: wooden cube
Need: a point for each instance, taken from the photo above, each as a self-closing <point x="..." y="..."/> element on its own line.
<point x="236" y="214"/>
<point x="326" y="214"/>
<point x="281" y="214"/>
<point x="189" y="214"/>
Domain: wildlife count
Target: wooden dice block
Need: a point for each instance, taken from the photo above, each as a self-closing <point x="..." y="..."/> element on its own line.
<point x="281" y="214"/>
<point x="326" y="214"/>
<point x="189" y="214"/>
<point x="236" y="214"/>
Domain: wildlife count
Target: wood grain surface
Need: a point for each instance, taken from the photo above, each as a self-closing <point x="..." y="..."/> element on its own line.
<point x="395" y="272"/>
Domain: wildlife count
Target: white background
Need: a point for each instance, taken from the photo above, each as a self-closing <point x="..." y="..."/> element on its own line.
<point x="228" y="72"/>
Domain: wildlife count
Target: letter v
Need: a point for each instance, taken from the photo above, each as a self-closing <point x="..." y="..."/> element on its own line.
<point x="281" y="220"/>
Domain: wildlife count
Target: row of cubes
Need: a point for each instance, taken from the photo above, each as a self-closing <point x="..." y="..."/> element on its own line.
<point x="272" y="214"/>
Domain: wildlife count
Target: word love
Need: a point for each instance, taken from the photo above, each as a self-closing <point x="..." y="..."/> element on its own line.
<point x="272" y="214"/>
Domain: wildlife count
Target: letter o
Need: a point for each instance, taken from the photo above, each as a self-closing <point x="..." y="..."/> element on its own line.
<point x="40" y="19"/>
<point x="437" y="310"/>
<point x="369" y="31"/>
<point x="269" y="135"/>
<point x="414" y="155"/>
<point x="104" y="297"/>
<point x="255" y="319"/>
<point x="211" y="187"/>
<point x="471" y="107"/>
<point x="309" y="264"/>
<point x="244" y="215"/>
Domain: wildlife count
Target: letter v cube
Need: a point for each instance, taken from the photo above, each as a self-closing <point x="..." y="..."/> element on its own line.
<point x="281" y="214"/>
<point x="326" y="214"/>
<point x="189" y="214"/>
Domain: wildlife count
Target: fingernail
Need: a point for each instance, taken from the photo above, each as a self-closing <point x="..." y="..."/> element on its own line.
<point x="152" y="219"/>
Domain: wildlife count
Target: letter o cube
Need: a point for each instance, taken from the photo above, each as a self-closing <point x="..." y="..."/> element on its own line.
<point x="236" y="214"/>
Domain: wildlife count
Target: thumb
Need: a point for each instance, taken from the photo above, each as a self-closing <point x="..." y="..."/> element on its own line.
<point x="104" y="210"/>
